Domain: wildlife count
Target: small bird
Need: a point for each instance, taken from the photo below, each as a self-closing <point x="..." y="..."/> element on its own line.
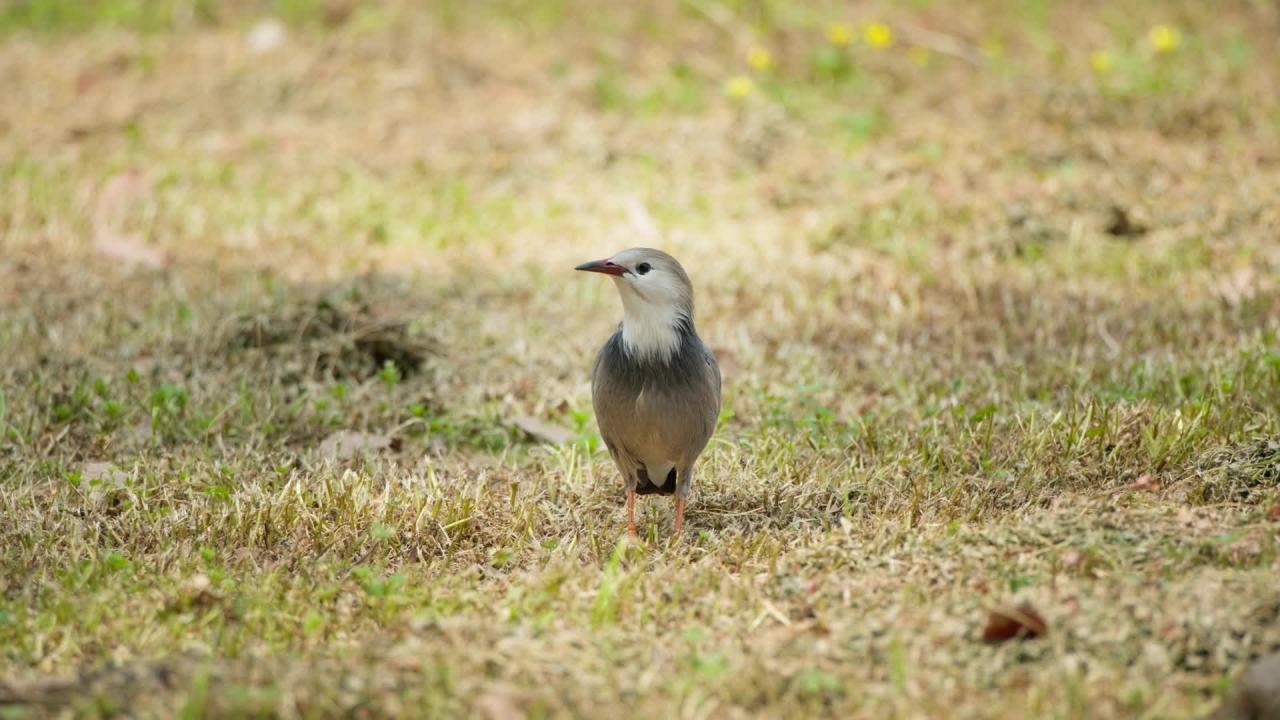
<point x="655" y="385"/>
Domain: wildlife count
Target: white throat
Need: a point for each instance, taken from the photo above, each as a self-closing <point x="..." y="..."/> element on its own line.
<point x="649" y="330"/>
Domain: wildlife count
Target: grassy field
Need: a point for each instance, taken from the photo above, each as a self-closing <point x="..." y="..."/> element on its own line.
<point x="995" y="288"/>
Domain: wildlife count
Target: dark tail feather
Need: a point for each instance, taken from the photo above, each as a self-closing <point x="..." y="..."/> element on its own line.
<point x="645" y="486"/>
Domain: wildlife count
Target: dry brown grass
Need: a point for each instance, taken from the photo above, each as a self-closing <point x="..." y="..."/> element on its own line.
<point x="948" y="386"/>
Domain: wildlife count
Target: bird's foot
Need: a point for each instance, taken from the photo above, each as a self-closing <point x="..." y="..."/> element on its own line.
<point x="631" y="516"/>
<point x="632" y="541"/>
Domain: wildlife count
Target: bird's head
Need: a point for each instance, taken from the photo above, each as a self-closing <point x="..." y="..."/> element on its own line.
<point x="657" y="298"/>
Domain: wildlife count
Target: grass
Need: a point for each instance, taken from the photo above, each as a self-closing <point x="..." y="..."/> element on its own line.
<point x="949" y="387"/>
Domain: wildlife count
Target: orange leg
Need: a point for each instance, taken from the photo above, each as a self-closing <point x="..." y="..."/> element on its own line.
<point x="679" y="514"/>
<point x="631" y="513"/>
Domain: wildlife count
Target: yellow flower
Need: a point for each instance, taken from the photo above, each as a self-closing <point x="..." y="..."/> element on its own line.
<point x="759" y="59"/>
<point x="1100" y="61"/>
<point x="739" y="86"/>
<point x="993" y="48"/>
<point x="919" y="55"/>
<point x="1164" y="38"/>
<point x="878" y="35"/>
<point x="839" y="33"/>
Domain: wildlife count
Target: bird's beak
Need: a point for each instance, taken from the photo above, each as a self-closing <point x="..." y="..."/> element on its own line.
<point x="607" y="267"/>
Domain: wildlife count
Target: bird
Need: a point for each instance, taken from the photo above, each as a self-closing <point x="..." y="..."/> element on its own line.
<point x="655" y="385"/>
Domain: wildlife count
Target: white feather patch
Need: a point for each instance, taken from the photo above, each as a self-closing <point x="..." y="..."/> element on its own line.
<point x="649" y="330"/>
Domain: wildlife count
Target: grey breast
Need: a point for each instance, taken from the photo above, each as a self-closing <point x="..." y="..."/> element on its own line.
<point x="656" y="413"/>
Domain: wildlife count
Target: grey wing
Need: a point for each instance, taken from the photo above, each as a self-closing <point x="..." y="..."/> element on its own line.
<point x="613" y="406"/>
<point x="714" y="368"/>
<point x="714" y="385"/>
<point x="690" y="416"/>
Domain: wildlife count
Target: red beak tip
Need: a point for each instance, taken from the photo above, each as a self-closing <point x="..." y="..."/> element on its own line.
<point x="602" y="266"/>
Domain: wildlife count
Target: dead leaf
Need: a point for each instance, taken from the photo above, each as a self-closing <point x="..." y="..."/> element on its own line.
<point x="110" y="208"/>
<point x="346" y="444"/>
<point x="1274" y="513"/>
<point x="543" y="430"/>
<point x="1145" y="482"/>
<point x="1008" y="623"/>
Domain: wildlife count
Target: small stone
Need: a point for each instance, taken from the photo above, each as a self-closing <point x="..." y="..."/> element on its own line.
<point x="266" y="36"/>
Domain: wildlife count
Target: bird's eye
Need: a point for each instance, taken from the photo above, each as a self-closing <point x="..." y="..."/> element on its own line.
<point x="643" y="269"/>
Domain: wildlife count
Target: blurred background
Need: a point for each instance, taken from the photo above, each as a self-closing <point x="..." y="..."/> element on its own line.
<point x="967" y="266"/>
<point x="853" y="155"/>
